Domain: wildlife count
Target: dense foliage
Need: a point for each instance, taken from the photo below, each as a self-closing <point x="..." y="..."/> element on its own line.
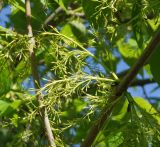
<point x="78" y="46"/>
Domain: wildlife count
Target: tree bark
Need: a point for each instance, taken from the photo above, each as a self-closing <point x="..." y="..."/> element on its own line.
<point x="31" y="45"/>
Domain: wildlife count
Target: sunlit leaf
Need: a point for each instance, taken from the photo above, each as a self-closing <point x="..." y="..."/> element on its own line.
<point x="75" y="30"/>
<point x="146" y="106"/>
<point x="3" y="107"/>
<point x="129" y="50"/>
<point x="7" y="108"/>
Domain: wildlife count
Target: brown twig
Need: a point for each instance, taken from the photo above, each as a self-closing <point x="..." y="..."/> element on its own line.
<point x="35" y="75"/>
<point x="52" y="15"/>
<point x="122" y="87"/>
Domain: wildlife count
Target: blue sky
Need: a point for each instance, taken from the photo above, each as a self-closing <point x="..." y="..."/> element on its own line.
<point x="3" y="15"/>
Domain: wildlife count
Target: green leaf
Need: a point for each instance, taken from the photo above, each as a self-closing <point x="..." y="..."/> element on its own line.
<point x="115" y="140"/>
<point x="137" y="22"/>
<point x="15" y="104"/>
<point x="145" y="105"/>
<point x="129" y="50"/>
<point x="7" y="31"/>
<point x="111" y="137"/>
<point x="73" y="110"/>
<point x="79" y="105"/>
<point x="5" y="80"/>
<point x="63" y="3"/>
<point x="17" y="14"/>
<point x="154" y="64"/>
<point x="7" y="108"/>
<point x="19" y="5"/>
<point x="75" y="30"/>
<point x="120" y="110"/>
<point x="90" y="8"/>
<point x="3" y="106"/>
<point x="22" y="70"/>
<point x="148" y="70"/>
<point x="154" y="25"/>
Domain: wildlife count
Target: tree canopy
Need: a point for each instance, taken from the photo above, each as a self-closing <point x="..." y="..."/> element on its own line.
<point x="59" y="84"/>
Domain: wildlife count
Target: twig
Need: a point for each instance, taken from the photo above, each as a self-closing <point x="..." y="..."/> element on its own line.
<point x="139" y="64"/>
<point x="59" y="10"/>
<point x="106" y="112"/>
<point x="50" y="17"/>
<point x="127" y="20"/>
<point x="142" y="82"/>
<point x="35" y="75"/>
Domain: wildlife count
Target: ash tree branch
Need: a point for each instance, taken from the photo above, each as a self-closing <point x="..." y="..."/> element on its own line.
<point x="142" y="82"/>
<point x="60" y="10"/>
<point x="31" y="45"/>
<point x="136" y="82"/>
<point x="139" y="64"/>
<point x="122" y="87"/>
<point x="52" y="15"/>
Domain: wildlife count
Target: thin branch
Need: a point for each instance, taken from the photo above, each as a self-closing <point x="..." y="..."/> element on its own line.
<point x="60" y="10"/>
<point x="52" y="15"/>
<point x="35" y="75"/>
<point x="122" y="73"/>
<point x="122" y="87"/>
<point x="77" y="14"/>
<point x="142" y="82"/>
<point x="139" y="64"/>
<point x="122" y="20"/>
